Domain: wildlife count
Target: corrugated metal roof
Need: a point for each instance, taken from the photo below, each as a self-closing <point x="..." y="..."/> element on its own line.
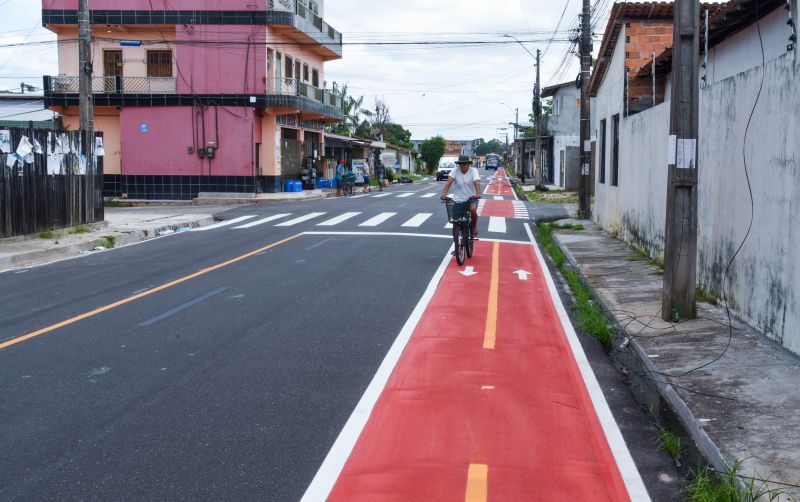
<point x="551" y="90"/>
<point x="22" y="109"/>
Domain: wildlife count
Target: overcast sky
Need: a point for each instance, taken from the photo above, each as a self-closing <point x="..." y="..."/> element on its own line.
<point x="455" y="91"/>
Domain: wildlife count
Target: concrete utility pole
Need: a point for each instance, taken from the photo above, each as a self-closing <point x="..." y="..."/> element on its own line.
<point x="680" y="246"/>
<point x="86" y="101"/>
<point x="584" y="188"/>
<point x="537" y="110"/>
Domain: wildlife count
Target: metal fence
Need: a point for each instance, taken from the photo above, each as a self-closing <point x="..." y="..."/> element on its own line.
<point x="113" y="85"/>
<point x="295" y="87"/>
<point x="47" y="190"/>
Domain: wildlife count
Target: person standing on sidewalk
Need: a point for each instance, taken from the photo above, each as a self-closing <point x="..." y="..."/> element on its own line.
<point x="339" y="175"/>
<point x="467" y="181"/>
<point x="380" y="169"/>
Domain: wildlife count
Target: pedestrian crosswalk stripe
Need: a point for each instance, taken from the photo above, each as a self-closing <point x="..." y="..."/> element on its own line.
<point x="382" y="195"/>
<point x="338" y="219"/>
<point x="377" y="220"/>
<point x="498" y="198"/>
<point x="428" y="195"/>
<point x="262" y="221"/>
<point x="226" y="223"/>
<point x="405" y="195"/>
<point x="417" y="220"/>
<point x="497" y="224"/>
<point x="449" y="225"/>
<point x="301" y="219"/>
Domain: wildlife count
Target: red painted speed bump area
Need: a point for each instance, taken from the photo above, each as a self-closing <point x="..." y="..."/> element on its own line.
<point x="457" y="421"/>
<point x="499" y="208"/>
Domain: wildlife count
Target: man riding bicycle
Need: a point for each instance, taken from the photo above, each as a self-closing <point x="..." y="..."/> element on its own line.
<point x="467" y="183"/>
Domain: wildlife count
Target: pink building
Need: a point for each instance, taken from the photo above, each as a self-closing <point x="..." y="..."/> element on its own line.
<point x="200" y="95"/>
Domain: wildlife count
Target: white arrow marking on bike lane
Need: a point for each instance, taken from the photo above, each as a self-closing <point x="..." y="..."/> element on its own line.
<point x="522" y="274"/>
<point x="469" y="271"/>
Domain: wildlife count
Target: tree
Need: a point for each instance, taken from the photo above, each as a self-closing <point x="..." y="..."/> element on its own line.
<point x="493" y="146"/>
<point x="431" y="151"/>
<point x="353" y="111"/>
<point x="397" y="135"/>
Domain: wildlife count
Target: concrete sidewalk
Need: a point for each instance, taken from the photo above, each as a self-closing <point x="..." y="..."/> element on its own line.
<point x="122" y="226"/>
<point x="736" y="393"/>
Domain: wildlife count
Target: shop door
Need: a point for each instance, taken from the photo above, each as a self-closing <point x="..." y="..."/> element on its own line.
<point x="291" y="157"/>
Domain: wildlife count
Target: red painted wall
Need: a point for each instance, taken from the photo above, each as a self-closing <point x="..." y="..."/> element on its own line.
<point x="237" y="67"/>
<point x="160" y="4"/>
<point x="163" y="149"/>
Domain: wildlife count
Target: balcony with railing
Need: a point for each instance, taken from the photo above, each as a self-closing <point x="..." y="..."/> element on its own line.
<point x="162" y="91"/>
<point x="308" y="21"/>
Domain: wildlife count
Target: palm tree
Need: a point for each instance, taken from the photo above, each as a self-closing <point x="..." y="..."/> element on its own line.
<point x="353" y="112"/>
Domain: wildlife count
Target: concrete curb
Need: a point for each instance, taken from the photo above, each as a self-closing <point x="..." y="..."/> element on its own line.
<point x="667" y="392"/>
<point x="123" y="238"/>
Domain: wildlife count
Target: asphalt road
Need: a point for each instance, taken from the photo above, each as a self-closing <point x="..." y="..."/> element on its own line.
<point x="218" y="364"/>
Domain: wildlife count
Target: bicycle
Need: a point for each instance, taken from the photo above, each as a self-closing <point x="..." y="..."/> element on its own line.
<point x="458" y="213"/>
<point x="348" y="184"/>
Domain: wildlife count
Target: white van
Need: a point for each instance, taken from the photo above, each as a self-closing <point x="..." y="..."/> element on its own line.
<point x="446" y="164"/>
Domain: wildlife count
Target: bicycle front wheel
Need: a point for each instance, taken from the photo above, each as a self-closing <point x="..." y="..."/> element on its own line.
<point x="461" y="245"/>
<point x="468" y="242"/>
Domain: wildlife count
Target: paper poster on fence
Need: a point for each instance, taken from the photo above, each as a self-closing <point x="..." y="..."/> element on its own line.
<point x="82" y="165"/>
<point x="11" y="160"/>
<point x="25" y="147"/>
<point x="5" y="141"/>
<point x="99" y="150"/>
<point x="37" y="148"/>
<point x="54" y="164"/>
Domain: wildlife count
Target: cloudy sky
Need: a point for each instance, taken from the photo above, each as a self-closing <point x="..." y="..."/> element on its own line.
<point x="456" y="90"/>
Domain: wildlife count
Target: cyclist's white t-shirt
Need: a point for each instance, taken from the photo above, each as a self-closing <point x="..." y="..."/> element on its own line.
<point x="464" y="184"/>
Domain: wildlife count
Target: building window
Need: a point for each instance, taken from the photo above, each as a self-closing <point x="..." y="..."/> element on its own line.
<point x="315" y="78"/>
<point x="305" y="72"/>
<point x="602" y="151"/>
<point x="289" y="67"/>
<point x="615" y="150"/>
<point x="159" y="63"/>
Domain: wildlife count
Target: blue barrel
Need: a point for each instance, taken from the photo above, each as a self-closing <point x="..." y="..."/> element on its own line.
<point x="298" y="186"/>
<point x="287" y="186"/>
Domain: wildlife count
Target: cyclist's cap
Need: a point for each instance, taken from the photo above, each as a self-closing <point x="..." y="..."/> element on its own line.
<point x="464" y="159"/>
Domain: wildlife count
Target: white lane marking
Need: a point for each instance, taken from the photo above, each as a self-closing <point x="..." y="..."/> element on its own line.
<point x="301" y="219"/>
<point x="225" y="223"/>
<point x="357" y="196"/>
<point x="448" y="225"/>
<point x="498" y="198"/>
<point x="428" y="195"/>
<point x="497" y="225"/>
<point x="323" y="482"/>
<point x="262" y="221"/>
<point x="627" y="468"/>
<point x="417" y="220"/>
<point x="382" y="195"/>
<point x="402" y="195"/>
<point x="407" y="234"/>
<point x="377" y="220"/>
<point x="338" y="219"/>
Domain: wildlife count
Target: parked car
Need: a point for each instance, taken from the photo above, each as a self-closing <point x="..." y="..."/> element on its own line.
<point x="446" y="164"/>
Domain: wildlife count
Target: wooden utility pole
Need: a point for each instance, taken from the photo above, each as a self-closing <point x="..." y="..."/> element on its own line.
<point x="537" y="111"/>
<point x="86" y="101"/>
<point x="584" y="187"/>
<point x="680" y="246"/>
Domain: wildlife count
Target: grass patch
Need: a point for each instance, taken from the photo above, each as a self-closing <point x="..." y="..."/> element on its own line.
<point x="80" y="230"/>
<point x="709" y="486"/>
<point x="590" y="317"/>
<point x="671" y="443"/>
<point x="554" y="197"/>
<point x="116" y="203"/>
<point x="703" y="295"/>
<point x="49" y="234"/>
<point x="108" y="242"/>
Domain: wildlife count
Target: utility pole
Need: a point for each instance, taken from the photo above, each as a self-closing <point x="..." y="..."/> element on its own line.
<point x="537" y="111"/>
<point x="680" y="246"/>
<point x="86" y="100"/>
<point x="584" y="187"/>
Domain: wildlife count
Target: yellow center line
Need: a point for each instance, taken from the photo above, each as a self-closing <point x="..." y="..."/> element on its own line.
<point x="477" y="485"/>
<point x="491" y="314"/>
<point x="149" y="292"/>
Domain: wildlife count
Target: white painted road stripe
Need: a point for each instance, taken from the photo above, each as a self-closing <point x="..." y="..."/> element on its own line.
<point x="262" y="221"/>
<point x="322" y="484"/>
<point x="417" y="220"/>
<point x="449" y="225"/>
<point x="497" y="224"/>
<point x="377" y="220"/>
<point x="382" y="195"/>
<point x="338" y="219"/>
<point x="427" y="195"/>
<point x="498" y="198"/>
<point x="225" y="223"/>
<point x="301" y="219"/>
<point x="627" y="468"/>
<point x="404" y="195"/>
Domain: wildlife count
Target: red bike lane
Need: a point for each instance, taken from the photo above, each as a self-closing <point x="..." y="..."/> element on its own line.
<point x="487" y="401"/>
<point x="499" y="185"/>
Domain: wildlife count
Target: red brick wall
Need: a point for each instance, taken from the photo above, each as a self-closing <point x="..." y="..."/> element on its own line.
<point x="642" y="38"/>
